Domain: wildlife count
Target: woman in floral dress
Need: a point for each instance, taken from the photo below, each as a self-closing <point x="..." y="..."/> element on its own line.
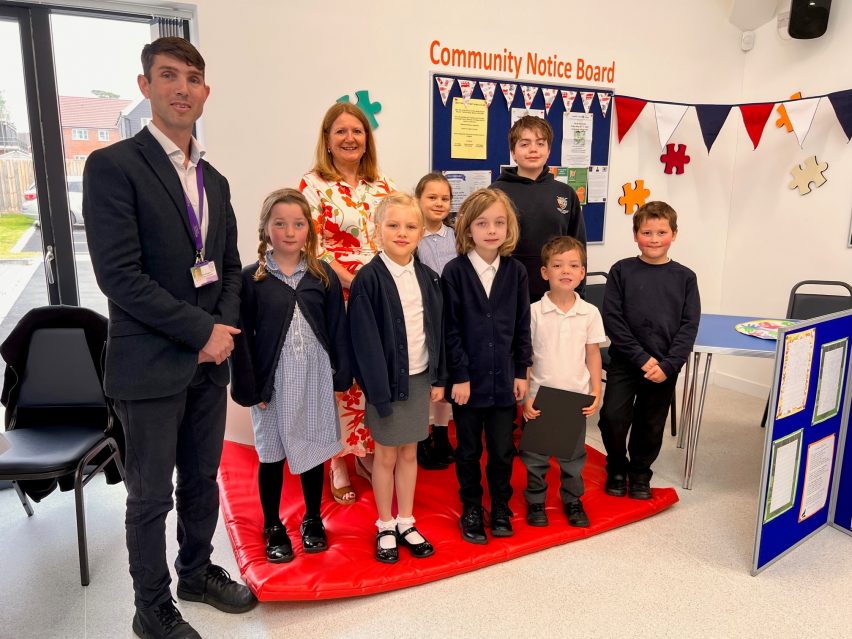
<point x="343" y="189"/>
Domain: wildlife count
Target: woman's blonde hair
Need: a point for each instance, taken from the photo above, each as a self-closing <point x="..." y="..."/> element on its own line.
<point x="324" y="162"/>
<point x="474" y="206"/>
<point x="288" y="196"/>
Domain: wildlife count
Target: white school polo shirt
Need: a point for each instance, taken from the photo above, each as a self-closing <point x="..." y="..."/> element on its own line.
<point x="412" y="310"/>
<point x="559" y="344"/>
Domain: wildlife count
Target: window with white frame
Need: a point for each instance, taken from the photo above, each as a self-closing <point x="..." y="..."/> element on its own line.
<point x="79" y="134"/>
<point x="80" y="157"/>
<point x="143" y="122"/>
<point x="103" y="135"/>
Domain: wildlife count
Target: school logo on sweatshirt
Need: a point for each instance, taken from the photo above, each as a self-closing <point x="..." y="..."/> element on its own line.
<point x="562" y="204"/>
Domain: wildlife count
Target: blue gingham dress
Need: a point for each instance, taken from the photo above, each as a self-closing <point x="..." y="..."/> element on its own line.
<point x="435" y="250"/>
<point x="300" y="422"/>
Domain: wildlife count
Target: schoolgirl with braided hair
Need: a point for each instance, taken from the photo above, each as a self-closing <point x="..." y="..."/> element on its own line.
<point x="292" y="355"/>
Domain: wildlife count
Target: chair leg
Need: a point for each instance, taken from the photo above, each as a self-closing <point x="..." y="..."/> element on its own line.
<point x="82" y="543"/>
<point x="674" y="415"/>
<point x="25" y="502"/>
<point x="765" y="415"/>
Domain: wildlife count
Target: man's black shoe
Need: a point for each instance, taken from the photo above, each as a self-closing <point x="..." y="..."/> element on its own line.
<point x="577" y="517"/>
<point x="426" y="456"/>
<point x="616" y="485"/>
<point x="640" y="488"/>
<point x="162" y="621"/>
<point x="501" y="524"/>
<point x="215" y="587"/>
<point x="313" y="534"/>
<point x="472" y="526"/>
<point x="536" y="515"/>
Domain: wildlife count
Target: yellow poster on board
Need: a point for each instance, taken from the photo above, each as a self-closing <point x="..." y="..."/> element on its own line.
<point x="469" y="132"/>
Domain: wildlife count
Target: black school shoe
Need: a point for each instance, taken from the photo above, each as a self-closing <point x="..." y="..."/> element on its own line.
<point x="501" y="520"/>
<point x="163" y="621"/>
<point x="426" y="457"/>
<point x="279" y="549"/>
<point x="314" y="538"/>
<point x="386" y="555"/>
<point x="215" y="587"/>
<point x="472" y="526"/>
<point x="419" y="551"/>
<point x="577" y="517"/>
<point x="441" y="446"/>
<point x="616" y="485"/>
<point x="640" y="488"/>
<point x="536" y="516"/>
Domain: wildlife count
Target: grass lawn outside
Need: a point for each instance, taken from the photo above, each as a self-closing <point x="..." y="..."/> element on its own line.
<point x="12" y="227"/>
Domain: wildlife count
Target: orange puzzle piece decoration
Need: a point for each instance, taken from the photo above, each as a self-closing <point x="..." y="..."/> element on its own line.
<point x="784" y="120"/>
<point x="633" y="197"/>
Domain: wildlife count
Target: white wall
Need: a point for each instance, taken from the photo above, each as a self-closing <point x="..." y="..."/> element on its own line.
<point x="275" y="67"/>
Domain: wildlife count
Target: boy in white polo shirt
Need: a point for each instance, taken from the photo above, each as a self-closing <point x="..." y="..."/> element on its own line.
<point x="566" y="336"/>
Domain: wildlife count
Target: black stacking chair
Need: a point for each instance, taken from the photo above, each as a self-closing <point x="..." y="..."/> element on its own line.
<point x="59" y="424"/>
<point x="805" y="306"/>
<point x="594" y="294"/>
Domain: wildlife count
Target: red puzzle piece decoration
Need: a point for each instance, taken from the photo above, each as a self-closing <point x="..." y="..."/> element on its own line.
<point x="675" y="158"/>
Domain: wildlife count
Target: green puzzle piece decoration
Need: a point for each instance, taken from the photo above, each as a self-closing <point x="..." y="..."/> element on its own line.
<point x="364" y="103"/>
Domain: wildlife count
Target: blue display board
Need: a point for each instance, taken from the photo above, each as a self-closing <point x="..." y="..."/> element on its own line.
<point x="842" y="498"/>
<point x="807" y="425"/>
<point x="499" y="123"/>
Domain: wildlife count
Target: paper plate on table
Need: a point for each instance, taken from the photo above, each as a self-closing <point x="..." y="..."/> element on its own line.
<point x="764" y="329"/>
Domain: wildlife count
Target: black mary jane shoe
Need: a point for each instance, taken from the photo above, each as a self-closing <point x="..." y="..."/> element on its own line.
<point x="313" y="534"/>
<point x="426" y="456"/>
<point x="421" y="550"/>
<point x="386" y="555"/>
<point x="279" y="549"/>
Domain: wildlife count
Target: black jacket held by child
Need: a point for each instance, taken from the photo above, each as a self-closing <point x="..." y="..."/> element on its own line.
<point x="266" y="310"/>
<point x="378" y="339"/>
<point x="546" y="209"/>
<point x="487" y="338"/>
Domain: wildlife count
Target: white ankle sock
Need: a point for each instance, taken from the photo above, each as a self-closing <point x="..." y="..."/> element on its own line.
<point x="404" y="523"/>
<point x="388" y="541"/>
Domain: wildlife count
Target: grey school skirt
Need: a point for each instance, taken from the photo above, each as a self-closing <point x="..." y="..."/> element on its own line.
<point x="409" y="421"/>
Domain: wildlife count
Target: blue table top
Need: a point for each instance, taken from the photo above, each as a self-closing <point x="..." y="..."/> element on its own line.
<point x="716" y="334"/>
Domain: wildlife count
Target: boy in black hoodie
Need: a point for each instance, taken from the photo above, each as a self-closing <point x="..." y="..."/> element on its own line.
<point x="546" y="208"/>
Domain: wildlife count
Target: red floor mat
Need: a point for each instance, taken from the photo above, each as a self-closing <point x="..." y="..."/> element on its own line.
<point x="348" y="568"/>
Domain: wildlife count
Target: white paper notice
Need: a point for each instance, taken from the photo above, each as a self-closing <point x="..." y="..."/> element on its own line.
<point x="577" y="139"/>
<point x="796" y="374"/>
<point x="831" y="367"/>
<point x="464" y="183"/>
<point x="598" y="183"/>
<point x="783" y="476"/>
<point x="817" y="476"/>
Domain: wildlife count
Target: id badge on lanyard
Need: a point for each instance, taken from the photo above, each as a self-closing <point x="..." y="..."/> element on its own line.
<point x="202" y="272"/>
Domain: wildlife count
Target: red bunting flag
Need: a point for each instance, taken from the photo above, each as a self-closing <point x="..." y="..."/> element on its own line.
<point x="754" y="118"/>
<point x="627" y="110"/>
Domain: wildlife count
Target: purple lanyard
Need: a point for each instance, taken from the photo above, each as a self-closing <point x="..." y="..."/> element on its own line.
<point x="195" y="222"/>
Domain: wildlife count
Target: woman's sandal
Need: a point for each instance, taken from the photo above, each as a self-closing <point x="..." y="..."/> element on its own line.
<point x="362" y="471"/>
<point x="340" y="494"/>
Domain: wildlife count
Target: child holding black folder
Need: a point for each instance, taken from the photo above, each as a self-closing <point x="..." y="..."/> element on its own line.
<point x="566" y="336"/>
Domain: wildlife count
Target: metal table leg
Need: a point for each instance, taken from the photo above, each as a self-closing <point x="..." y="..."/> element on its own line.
<point x="684" y="406"/>
<point x="695" y="426"/>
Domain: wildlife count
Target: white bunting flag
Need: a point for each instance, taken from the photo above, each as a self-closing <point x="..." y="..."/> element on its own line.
<point x="445" y="85"/>
<point x="529" y="95"/>
<point x="487" y="89"/>
<point x="508" y="93"/>
<point x="467" y="87"/>
<point x="568" y="98"/>
<point x="604" y="100"/>
<point x="587" y="97"/>
<point x="668" y="118"/>
<point x="801" y="114"/>
<point x="549" y="97"/>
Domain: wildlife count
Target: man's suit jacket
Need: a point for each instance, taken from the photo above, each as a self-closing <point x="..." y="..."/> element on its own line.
<point x="142" y="251"/>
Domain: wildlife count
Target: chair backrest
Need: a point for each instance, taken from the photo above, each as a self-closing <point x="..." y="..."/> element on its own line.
<point x="594" y="293"/>
<point x="803" y="306"/>
<point x="59" y="371"/>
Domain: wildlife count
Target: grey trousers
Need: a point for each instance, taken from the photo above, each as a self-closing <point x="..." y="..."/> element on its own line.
<point x="570" y="478"/>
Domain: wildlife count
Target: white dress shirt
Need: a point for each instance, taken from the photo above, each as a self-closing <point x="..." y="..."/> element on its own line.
<point x="486" y="272"/>
<point x="412" y="310"/>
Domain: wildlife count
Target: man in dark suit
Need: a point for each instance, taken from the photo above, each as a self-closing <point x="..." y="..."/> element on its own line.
<point x="163" y="240"/>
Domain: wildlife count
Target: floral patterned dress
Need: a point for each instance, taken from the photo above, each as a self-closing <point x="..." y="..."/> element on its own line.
<point x="343" y="216"/>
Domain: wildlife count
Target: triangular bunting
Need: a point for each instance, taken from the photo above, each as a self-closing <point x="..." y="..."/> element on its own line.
<point x="587" y="97"/>
<point x="508" y="93"/>
<point x="529" y="95"/>
<point x="487" y="89"/>
<point x="604" y="100"/>
<point x="568" y="98"/>
<point x="445" y="85"/>
<point x="627" y="110"/>
<point x="783" y="121"/>
<point x="549" y="97"/>
<point x="842" y="103"/>
<point x="754" y="118"/>
<point x="467" y="87"/>
<point x="668" y="118"/>
<point x="711" y="117"/>
<point x="801" y="115"/>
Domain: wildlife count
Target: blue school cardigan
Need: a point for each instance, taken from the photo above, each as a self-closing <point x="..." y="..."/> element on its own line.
<point x="487" y="338"/>
<point x="377" y="333"/>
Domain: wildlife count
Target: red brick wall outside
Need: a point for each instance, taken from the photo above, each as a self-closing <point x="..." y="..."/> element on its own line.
<point x="85" y="147"/>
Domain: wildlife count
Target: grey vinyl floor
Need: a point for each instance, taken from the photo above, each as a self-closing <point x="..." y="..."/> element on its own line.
<point x="682" y="573"/>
